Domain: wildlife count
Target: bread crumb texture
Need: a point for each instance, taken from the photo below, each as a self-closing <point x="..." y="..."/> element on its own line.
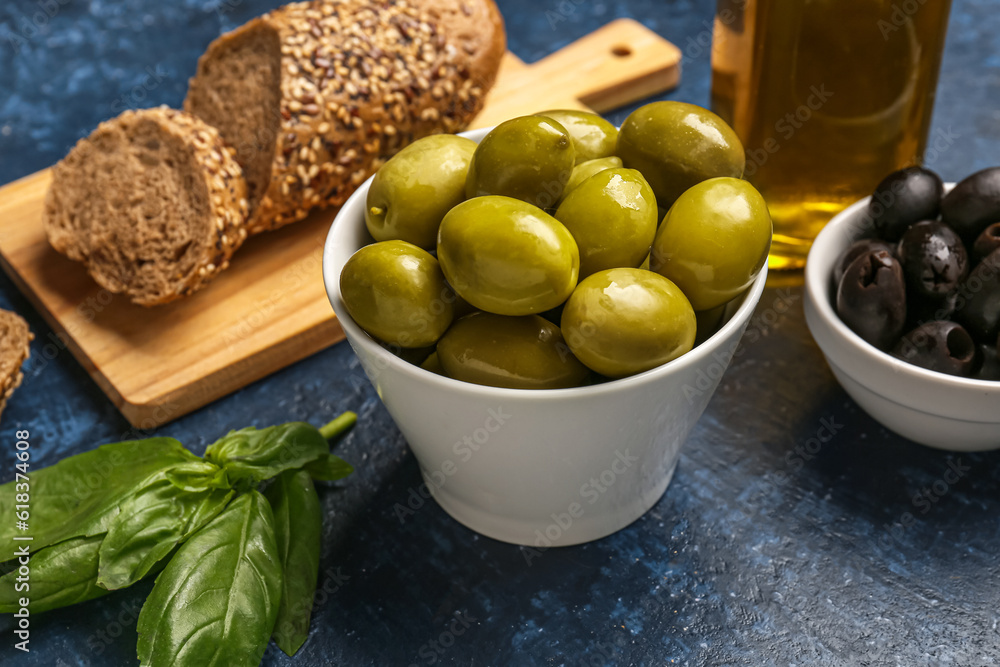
<point x="15" y="339"/>
<point x="337" y="87"/>
<point x="152" y="202"/>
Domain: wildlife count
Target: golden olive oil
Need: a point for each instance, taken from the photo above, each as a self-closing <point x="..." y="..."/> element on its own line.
<point x="828" y="97"/>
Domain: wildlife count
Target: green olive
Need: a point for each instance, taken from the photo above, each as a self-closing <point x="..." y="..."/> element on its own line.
<point x="411" y="193"/>
<point x="612" y="216"/>
<point x="625" y="321"/>
<point x="517" y="352"/>
<point x="709" y="321"/>
<point x="676" y="145"/>
<point x="528" y="158"/>
<point x="411" y="355"/>
<point x="713" y="241"/>
<point x="585" y="170"/>
<point x="433" y="364"/>
<point x="506" y="256"/>
<point x="593" y="137"/>
<point x="396" y="292"/>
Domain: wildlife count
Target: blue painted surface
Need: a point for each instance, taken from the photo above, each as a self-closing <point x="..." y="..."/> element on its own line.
<point x="760" y="552"/>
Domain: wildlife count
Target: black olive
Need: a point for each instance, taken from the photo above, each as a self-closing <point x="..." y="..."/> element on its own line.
<point x="940" y="346"/>
<point x="903" y="198"/>
<point x="854" y="251"/>
<point x="978" y="307"/>
<point x="988" y="363"/>
<point x="922" y="309"/>
<point x="987" y="242"/>
<point x="871" y="298"/>
<point x="973" y="204"/>
<point x="933" y="259"/>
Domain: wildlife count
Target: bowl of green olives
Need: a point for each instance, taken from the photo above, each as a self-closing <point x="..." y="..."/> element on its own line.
<point x="902" y="295"/>
<point x="544" y="342"/>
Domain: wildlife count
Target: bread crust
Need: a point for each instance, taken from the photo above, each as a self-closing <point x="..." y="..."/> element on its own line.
<point x="222" y="178"/>
<point x="14" y="351"/>
<point x="360" y="80"/>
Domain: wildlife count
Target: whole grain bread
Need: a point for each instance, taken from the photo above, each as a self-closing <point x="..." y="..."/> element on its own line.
<point x="15" y="338"/>
<point x="152" y="202"/>
<point x="315" y="95"/>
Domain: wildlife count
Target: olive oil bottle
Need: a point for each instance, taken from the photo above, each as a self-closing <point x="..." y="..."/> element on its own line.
<point x="828" y="97"/>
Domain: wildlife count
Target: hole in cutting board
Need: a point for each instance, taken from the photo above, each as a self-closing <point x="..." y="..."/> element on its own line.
<point x="621" y="51"/>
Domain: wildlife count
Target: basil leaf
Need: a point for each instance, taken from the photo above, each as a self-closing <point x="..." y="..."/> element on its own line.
<point x="61" y="575"/>
<point x="256" y="455"/>
<point x="297" y="529"/>
<point x="150" y="524"/>
<point x="329" y="468"/>
<point x="217" y="600"/>
<point x="198" y="476"/>
<point x="80" y="495"/>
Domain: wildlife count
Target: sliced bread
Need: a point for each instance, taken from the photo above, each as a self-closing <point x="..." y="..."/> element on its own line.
<point x="14" y="343"/>
<point x="152" y="202"/>
<point x="315" y="95"/>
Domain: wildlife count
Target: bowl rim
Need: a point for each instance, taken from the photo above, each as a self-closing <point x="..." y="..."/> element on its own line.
<point x="818" y="274"/>
<point x="357" y="336"/>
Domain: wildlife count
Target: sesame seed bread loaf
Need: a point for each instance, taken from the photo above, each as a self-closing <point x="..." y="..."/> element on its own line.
<point x="14" y="342"/>
<point x="152" y="202"/>
<point x="314" y="96"/>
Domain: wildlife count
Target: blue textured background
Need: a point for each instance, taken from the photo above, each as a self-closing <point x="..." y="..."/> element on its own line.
<point x="755" y="556"/>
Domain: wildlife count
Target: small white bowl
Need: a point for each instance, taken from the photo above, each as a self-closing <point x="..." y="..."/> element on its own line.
<point x="931" y="408"/>
<point x="538" y="467"/>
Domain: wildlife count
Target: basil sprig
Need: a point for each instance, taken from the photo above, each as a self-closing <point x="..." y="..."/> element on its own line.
<point x="297" y="527"/>
<point x="234" y="536"/>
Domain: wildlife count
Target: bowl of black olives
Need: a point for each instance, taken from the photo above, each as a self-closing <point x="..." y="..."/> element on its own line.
<point x="545" y="309"/>
<point x="903" y="298"/>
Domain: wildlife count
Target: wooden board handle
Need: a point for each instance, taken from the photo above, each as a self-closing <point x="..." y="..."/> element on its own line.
<point x="620" y="63"/>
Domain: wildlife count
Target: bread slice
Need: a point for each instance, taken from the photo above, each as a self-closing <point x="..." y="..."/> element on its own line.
<point x="315" y="95"/>
<point x="14" y="350"/>
<point x="152" y="202"/>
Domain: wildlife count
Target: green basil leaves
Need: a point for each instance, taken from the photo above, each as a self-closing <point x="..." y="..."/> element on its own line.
<point x="297" y="527"/>
<point x="238" y="566"/>
<point x="217" y="600"/>
<point x="80" y="495"/>
<point x="61" y="575"/>
<point x="256" y="455"/>
<point x="150" y="524"/>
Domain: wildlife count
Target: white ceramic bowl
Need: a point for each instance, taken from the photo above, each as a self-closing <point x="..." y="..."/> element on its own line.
<point x="538" y="467"/>
<point x="931" y="408"/>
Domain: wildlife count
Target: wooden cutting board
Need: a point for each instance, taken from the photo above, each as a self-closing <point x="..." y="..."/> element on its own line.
<point x="270" y="308"/>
